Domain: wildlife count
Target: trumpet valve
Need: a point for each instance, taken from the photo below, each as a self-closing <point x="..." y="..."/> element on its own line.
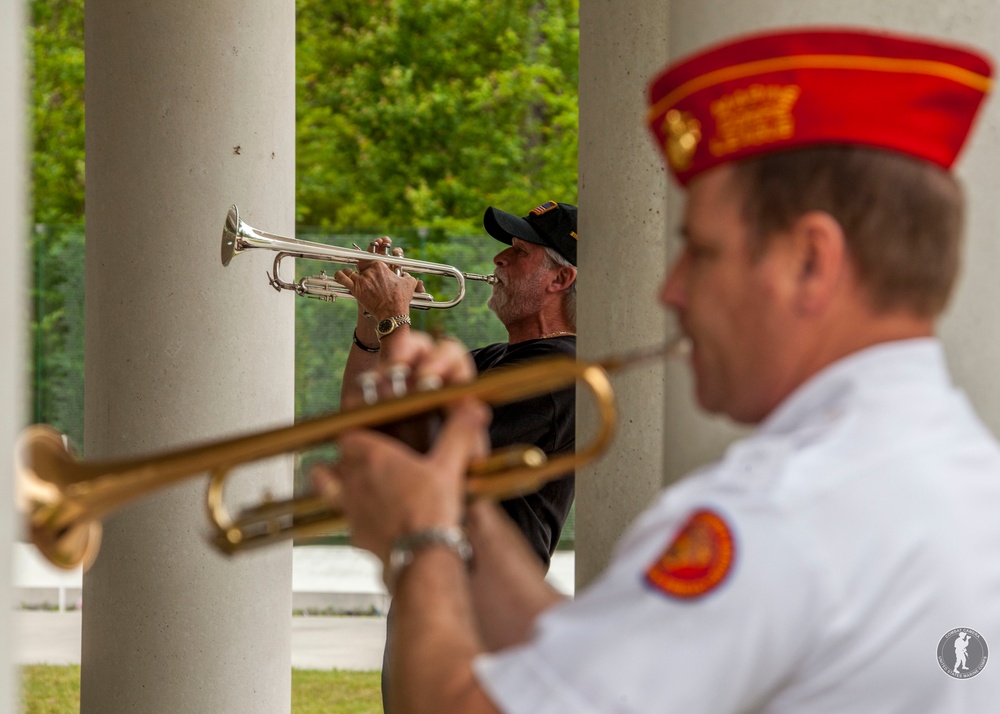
<point x="517" y="456"/>
<point x="368" y="381"/>
<point x="429" y="383"/>
<point x="396" y="377"/>
<point x="398" y="374"/>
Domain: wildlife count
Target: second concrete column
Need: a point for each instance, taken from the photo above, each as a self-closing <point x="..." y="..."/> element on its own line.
<point x="190" y="107"/>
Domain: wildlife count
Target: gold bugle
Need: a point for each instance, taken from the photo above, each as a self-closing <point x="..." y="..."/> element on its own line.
<point x="63" y="499"/>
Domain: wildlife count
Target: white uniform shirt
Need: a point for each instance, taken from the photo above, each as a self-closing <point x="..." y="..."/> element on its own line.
<point x="865" y="522"/>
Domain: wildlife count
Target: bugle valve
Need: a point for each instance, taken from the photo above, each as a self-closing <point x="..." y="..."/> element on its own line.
<point x="238" y="237"/>
<point x="63" y="500"/>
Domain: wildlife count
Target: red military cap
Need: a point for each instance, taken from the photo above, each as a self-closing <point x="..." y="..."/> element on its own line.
<point x="791" y="89"/>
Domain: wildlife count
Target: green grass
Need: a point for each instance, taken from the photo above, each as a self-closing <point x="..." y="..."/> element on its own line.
<point x="48" y="689"/>
<point x="321" y="692"/>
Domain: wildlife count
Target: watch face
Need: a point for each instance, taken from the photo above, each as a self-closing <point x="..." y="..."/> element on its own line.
<point x="384" y="325"/>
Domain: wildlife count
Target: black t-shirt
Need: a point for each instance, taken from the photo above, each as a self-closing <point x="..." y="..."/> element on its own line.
<point x="547" y="421"/>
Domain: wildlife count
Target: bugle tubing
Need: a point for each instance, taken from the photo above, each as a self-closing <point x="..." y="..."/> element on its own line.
<point x="64" y="500"/>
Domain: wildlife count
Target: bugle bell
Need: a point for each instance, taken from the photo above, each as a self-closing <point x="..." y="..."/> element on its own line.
<point x="238" y="237"/>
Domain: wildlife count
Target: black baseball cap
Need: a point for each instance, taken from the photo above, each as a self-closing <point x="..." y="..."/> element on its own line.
<point x="552" y="224"/>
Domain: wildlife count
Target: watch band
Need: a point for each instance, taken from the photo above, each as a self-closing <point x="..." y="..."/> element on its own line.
<point x="386" y="327"/>
<point x="405" y="548"/>
<point x="363" y="346"/>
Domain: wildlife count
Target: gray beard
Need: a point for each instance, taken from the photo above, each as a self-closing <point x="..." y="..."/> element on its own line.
<point x="511" y="305"/>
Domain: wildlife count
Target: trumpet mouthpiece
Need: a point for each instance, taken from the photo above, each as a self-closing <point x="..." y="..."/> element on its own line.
<point x="677" y="347"/>
<point x="489" y="279"/>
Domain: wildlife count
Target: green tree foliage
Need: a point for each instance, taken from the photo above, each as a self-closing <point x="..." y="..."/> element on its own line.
<point x="57" y="116"/>
<point x="410" y="112"/>
<point x="422" y="112"/>
<point x="57" y="180"/>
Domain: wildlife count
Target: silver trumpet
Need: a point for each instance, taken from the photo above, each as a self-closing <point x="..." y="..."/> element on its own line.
<point x="238" y="237"/>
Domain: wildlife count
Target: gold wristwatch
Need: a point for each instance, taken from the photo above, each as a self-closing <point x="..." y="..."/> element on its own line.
<point x="386" y="327"/>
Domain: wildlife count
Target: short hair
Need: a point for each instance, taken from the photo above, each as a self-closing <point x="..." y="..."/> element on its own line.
<point x="569" y="295"/>
<point x="902" y="217"/>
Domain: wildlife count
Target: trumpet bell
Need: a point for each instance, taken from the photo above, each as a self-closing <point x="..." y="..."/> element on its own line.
<point x="63" y="538"/>
<point x="231" y="235"/>
<point x="76" y="546"/>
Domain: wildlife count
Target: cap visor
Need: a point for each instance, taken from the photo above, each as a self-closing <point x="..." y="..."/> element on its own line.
<point x="504" y="226"/>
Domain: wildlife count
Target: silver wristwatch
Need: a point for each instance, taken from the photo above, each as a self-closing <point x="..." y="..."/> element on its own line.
<point x="386" y="327"/>
<point x="406" y="547"/>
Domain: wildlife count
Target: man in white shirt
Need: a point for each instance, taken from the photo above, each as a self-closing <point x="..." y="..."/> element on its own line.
<point x="811" y="568"/>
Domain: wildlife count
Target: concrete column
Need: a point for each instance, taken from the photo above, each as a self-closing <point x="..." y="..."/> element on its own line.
<point x="190" y="107"/>
<point x="971" y="340"/>
<point x="13" y="239"/>
<point x="623" y="257"/>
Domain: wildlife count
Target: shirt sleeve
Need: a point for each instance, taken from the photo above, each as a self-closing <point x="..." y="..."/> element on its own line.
<point x="625" y="645"/>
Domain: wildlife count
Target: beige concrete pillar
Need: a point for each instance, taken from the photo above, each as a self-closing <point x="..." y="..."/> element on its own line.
<point x="969" y="330"/>
<point x="13" y="239"/>
<point x="190" y="107"/>
<point x="972" y="342"/>
<point x="622" y="259"/>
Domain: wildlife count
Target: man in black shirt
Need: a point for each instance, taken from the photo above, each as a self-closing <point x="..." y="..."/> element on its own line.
<point x="535" y="299"/>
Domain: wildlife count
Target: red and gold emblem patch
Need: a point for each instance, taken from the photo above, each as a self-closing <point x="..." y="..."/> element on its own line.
<point x="697" y="560"/>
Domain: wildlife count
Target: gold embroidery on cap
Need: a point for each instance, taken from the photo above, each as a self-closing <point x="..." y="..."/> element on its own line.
<point x="754" y="115"/>
<point x="683" y="134"/>
<point x="860" y="63"/>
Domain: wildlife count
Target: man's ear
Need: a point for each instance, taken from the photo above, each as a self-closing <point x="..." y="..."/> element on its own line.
<point x="564" y="277"/>
<point x="822" y="259"/>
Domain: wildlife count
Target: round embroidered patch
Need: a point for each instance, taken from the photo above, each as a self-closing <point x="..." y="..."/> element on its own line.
<point x="697" y="560"/>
